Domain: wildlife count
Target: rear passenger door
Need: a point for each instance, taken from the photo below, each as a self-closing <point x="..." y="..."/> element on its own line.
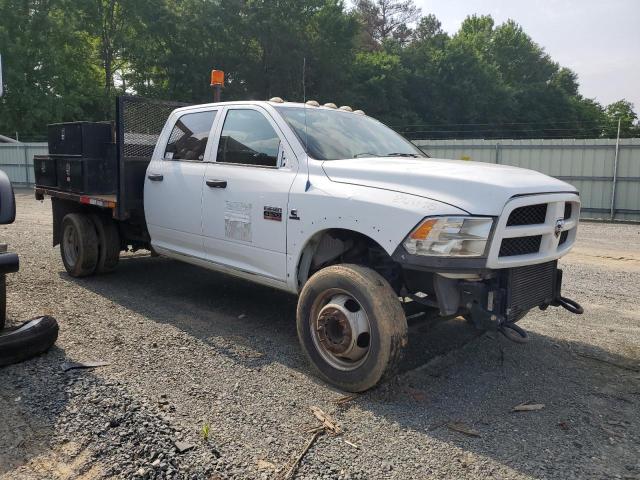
<point x="246" y="193"/>
<point x="173" y="187"/>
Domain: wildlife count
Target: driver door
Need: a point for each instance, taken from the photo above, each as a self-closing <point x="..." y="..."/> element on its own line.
<point x="246" y="194"/>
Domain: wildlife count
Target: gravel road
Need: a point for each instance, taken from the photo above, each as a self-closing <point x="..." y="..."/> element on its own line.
<point x="212" y="364"/>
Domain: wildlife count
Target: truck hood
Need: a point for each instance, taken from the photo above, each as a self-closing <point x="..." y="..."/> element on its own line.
<point x="478" y="188"/>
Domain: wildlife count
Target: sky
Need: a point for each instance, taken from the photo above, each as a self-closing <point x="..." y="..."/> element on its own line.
<point x="598" y="39"/>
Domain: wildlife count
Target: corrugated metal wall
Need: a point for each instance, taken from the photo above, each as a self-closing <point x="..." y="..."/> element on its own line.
<point x="16" y="159"/>
<point x="586" y="164"/>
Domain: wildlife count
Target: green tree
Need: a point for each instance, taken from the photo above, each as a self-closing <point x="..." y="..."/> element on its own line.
<point x="66" y="60"/>
<point x="386" y="19"/>
<point x="622" y="111"/>
<point x="48" y="73"/>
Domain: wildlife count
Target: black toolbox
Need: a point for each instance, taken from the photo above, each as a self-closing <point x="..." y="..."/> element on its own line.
<point x="87" y="175"/>
<point x="44" y="168"/>
<point x="80" y="139"/>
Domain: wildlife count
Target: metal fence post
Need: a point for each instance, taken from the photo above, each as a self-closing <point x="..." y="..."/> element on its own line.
<point x="615" y="174"/>
<point x="497" y="153"/>
<point x="26" y="164"/>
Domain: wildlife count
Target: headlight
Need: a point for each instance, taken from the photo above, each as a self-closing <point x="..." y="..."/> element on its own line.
<point x="450" y="237"/>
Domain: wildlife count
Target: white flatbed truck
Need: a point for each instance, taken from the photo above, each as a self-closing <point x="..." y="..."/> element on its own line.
<point x="332" y="206"/>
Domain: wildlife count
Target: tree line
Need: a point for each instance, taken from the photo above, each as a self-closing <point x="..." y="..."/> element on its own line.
<point x="66" y="60"/>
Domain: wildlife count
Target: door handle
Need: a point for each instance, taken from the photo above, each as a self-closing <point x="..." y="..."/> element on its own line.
<point x="216" y="183"/>
<point x="155" y="177"/>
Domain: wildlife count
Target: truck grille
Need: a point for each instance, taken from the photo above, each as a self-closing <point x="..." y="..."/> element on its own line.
<point x="534" y="229"/>
<point x="529" y="215"/>
<point x="529" y="287"/>
<point x="520" y="246"/>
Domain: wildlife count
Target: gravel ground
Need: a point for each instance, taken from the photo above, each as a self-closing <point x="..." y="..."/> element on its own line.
<point x="212" y="364"/>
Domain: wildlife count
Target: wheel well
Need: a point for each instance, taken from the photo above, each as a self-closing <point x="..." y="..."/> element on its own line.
<point x="335" y="246"/>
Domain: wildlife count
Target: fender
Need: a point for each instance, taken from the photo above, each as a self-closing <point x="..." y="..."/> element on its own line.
<point x="383" y="216"/>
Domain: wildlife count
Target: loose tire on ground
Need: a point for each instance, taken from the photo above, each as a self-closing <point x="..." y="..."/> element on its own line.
<point x="3" y="300"/>
<point x="326" y="305"/>
<point x="27" y="340"/>
<point x="79" y="245"/>
<point x="108" y="243"/>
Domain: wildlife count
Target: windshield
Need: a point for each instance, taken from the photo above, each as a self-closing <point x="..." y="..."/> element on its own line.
<point x="335" y="134"/>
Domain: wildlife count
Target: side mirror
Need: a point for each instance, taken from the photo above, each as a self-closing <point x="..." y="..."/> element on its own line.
<point x="281" y="159"/>
<point x="7" y="200"/>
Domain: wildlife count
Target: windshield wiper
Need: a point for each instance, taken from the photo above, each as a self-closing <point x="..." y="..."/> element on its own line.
<point x="400" y="154"/>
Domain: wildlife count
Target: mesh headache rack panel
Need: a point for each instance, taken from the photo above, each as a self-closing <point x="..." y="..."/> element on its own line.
<point x="139" y="122"/>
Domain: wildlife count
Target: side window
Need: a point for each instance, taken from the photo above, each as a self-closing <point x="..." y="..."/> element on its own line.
<point x="248" y="138"/>
<point x="189" y="136"/>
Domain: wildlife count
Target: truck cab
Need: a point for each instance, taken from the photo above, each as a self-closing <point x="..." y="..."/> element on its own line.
<point x="333" y="206"/>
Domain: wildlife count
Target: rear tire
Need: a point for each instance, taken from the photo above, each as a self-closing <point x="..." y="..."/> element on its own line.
<point x="108" y="243"/>
<point x="351" y="326"/>
<point x="79" y="245"/>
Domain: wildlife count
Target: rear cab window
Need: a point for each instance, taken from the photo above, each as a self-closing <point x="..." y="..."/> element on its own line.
<point x="189" y="136"/>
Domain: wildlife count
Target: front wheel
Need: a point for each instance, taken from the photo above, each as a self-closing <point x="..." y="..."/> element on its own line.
<point x="351" y="326"/>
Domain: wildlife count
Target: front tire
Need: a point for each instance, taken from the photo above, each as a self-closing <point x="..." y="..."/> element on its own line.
<point x="351" y="326"/>
<point x="79" y="245"/>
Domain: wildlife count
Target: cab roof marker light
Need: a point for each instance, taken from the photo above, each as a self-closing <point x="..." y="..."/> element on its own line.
<point x="330" y="105"/>
<point x="312" y="103"/>
<point x="276" y="100"/>
<point x="359" y="112"/>
<point x="346" y="108"/>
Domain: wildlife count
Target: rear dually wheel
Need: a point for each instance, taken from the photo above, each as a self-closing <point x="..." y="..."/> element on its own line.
<point x="79" y="245"/>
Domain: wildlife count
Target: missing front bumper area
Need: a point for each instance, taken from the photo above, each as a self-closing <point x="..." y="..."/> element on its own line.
<point x="499" y="302"/>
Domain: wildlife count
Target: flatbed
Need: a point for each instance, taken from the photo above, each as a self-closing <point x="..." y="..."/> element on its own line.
<point x="104" y="201"/>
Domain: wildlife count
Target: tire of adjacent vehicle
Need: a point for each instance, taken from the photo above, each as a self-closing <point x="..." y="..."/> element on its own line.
<point x="386" y="318"/>
<point x="27" y="340"/>
<point x="85" y="260"/>
<point x="108" y="243"/>
<point x="3" y="300"/>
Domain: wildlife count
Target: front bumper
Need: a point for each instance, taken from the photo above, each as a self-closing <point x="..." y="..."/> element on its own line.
<point x="490" y="298"/>
<point x="508" y="296"/>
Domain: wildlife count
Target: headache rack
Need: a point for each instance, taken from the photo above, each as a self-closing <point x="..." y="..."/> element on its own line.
<point x="138" y="124"/>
